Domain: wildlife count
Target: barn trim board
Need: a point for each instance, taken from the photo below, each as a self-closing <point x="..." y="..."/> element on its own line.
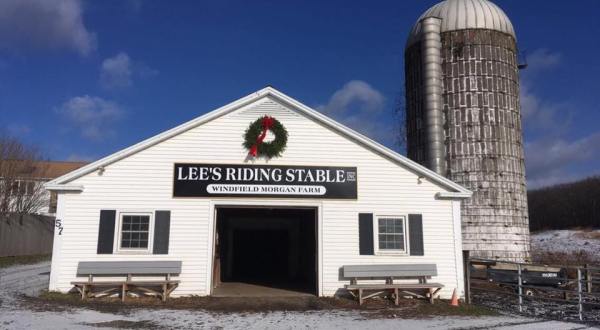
<point x="155" y="201"/>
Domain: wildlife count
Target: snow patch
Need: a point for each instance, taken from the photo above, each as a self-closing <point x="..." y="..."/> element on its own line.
<point x="567" y="241"/>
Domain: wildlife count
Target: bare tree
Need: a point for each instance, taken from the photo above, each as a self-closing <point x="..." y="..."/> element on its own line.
<point x="400" y="112"/>
<point x="21" y="172"/>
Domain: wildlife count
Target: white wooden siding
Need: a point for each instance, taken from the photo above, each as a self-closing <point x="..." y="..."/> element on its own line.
<point x="143" y="182"/>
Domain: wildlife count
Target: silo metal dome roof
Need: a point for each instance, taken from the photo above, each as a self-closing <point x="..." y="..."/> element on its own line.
<point x="465" y="14"/>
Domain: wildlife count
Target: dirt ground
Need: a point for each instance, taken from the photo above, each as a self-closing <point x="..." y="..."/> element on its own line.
<point x="408" y="308"/>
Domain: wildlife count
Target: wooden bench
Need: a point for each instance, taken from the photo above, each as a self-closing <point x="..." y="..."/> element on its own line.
<point x="420" y="272"/>
<point x="127" y="269"/>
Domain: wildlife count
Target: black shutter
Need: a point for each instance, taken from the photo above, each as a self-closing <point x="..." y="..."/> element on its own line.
<point x="162" y="227"/>
<point x="415" y="235"/>
<point x="365" y="233"/>
<point x="106" y="231"/>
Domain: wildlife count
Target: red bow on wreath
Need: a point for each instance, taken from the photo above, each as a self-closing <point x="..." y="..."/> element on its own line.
<point x="267" y="124"/>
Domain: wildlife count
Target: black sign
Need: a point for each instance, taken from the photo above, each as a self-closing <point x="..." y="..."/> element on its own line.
<point x="219" y="180"/>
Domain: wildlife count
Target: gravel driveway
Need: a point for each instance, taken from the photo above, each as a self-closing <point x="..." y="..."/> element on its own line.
<point x="29" y="280"/>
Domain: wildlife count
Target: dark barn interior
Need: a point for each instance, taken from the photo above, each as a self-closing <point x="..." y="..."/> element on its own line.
<point x="266" y="247"/>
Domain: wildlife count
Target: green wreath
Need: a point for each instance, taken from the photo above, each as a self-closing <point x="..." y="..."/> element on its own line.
<point x="256" y="132"/>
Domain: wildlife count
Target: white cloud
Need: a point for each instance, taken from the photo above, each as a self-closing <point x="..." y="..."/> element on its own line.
<point x="93" y="116"/>
<point x="44" y="24"/>
<point x="548" y="160"/>
<point x="361" y="107"/>
<point x="354" y="92"/>
<point x="539" y="113"/>
<point x="550" y="118"/>
<point x="552" y="155"/>
<point x="542" y="59"/>
<point x="117" y="72"/>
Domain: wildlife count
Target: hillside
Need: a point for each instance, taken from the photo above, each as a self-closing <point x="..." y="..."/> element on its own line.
<point x="565" y="206"/>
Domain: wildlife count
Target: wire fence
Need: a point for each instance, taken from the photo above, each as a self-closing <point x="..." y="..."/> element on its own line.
<point x="563" y="292"/>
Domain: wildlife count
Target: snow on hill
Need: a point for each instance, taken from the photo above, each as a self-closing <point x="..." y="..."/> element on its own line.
<point x="567" y="241"/>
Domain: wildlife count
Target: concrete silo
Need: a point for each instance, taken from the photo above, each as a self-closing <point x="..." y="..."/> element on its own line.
<point x="464" y="120"/>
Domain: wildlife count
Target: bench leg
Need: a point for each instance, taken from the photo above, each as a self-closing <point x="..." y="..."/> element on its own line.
<point x="164" y="293"/>
<point x="123" y="292"/>
<point x="360" y="298"/>
<point x="431" y="296"/>
<point x="83" y="292"/>
<point x="397" y="298"/>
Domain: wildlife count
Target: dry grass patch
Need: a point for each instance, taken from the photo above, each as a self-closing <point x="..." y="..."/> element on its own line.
<point x="373" y="308"/>
<point x="23" y="260"/>
<point x="576" y="258"/>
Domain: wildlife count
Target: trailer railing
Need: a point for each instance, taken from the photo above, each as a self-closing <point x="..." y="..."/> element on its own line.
<point x="565" y="292"/>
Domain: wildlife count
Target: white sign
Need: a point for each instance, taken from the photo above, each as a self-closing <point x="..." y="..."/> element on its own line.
<point x="261" y="189"/>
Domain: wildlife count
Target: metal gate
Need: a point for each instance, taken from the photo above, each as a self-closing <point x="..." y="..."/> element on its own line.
<point x="562" y="292"/>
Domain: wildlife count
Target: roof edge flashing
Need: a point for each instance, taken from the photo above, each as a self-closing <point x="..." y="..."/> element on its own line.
<point x="63" y="187"/>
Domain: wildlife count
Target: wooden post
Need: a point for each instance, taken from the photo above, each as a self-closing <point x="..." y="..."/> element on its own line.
<point x="467" y="274"/>
<point x="588" y="279"/>
<point x="520" y="288"/>
<point x="579" y="289"/>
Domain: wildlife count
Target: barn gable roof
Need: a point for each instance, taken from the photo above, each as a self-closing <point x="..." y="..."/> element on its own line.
<point x="61" y="183"/>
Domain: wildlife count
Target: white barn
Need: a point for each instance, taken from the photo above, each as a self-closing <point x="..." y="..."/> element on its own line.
<point x="367" y="205"/>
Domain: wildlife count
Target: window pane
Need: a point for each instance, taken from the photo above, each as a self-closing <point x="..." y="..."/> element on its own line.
<point x="135" y="231"/>
<point x="391" y="233"/>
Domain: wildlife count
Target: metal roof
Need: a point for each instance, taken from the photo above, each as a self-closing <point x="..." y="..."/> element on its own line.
<point x="465" y="14"/>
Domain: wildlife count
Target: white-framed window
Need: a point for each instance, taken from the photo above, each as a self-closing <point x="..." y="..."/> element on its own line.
<point x="390" y="234"/>
<point x="135" y="232"/>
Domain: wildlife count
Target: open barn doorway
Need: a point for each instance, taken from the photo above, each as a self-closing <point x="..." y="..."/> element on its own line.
<point x="265" y="251"/>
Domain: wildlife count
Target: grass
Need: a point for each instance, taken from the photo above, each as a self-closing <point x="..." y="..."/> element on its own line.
<point x="23" y="260"/>
<point x="378" y="308"/>
<point x="574" y="258"/>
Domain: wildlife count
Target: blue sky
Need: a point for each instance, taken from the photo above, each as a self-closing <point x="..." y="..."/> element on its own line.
<point x="83" y="79"/>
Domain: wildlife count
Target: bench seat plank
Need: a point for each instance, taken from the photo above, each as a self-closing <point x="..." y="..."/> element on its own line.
<point x="393" y="286"/>
<point x="105" y="283"/>
<point x="389" y="270"/>
<point x="128" y="267"/>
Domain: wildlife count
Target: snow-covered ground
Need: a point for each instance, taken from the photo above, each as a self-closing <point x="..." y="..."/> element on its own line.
<point x="568" y="241"/>
<point x="21" y="279"/>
